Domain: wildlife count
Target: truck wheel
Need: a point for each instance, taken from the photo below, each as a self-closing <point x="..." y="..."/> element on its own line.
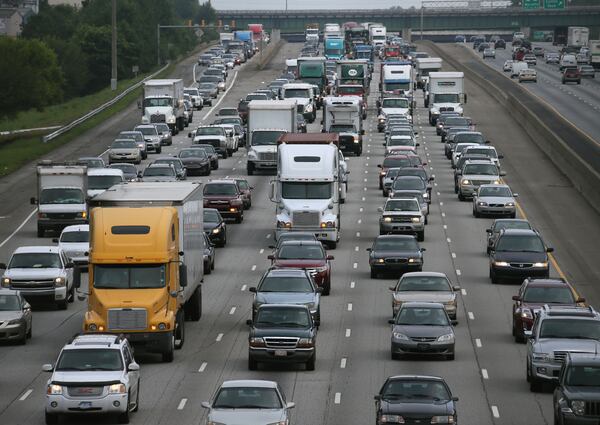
<point x="169" y="353"/>
<point x="40" y="232"/>
<point x="250" y="168"/>
<point x="180" y="332"/>
<point x="207" y="269"/>
<point x="51" y="418"/>
<point x="193" y="307"/>
<point x="71" y="295"/>
<point x="180" y="124"/>
<point x="252" y="364"/>
<point x="332" y="244"/>
<point x="62" y="305"/>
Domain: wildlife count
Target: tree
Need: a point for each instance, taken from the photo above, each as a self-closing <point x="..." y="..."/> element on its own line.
<point x="31" y="78"/>
<point x="206" y="13"/>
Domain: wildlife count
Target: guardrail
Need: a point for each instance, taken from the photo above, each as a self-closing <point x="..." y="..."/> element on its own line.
<point x="49" y="137"/>
<point x="27" y="130"/>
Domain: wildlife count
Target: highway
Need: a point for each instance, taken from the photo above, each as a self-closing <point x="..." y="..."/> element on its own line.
<point x="353" y="345"/>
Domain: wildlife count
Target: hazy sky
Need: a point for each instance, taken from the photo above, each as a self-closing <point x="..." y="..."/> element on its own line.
<point x="311" y="4"/>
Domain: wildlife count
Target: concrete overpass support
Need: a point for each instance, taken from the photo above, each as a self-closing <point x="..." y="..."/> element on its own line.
<point x="406" y="34"/>
<point x="526" y="31"/>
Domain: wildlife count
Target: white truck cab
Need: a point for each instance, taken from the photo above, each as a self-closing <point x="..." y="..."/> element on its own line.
<point x="303" y="94"/>
<point x="446" y="92"/>
<point x="101" y="179"/>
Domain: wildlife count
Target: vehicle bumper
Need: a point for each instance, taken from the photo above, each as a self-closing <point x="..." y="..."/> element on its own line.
<point x="151" y="342"/>
<point x="422" y="348"/>
<point x="216" y="237"/>
<point x="547" y="372"/>
<point x="198" y="168"/>
<point x="110" y="403"/>
<point x="13" y="332"/>
<point x="573" y="419"/>
<point x="396" y="267"/>
<point x="518" y="273"/>
<point x="400" y="228"/>
<point x="225" y="211"/>
<point x="261" y="165"/>
<point x="297" y="355"/>
<point x="121" y="158"/>
<point x="167" y="141"/>
<point x="495" y="210"/>
<point x="327" y="235"/>
<point x="48" y="294"/>
<point x="59" y="224"/>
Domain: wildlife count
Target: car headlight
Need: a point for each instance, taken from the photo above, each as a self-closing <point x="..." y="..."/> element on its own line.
<point x="14" y="322"/>
<point x="446" y="338"/>
<point x="541" y="264"/>
<point x="510" y="204"/>
<point x="501" y="264"/>
<point x="356" y="139"/>
<point x="54" y="389"/>
<point x="496" y="182"/>
<point x="541" y="357"/>
<point x="380" y="260"/>
<point x="306" y="343"/>
<point x="465" y="181"/>
<point x="59" y="281"/>
<point x="216" y="230"/>
<point x="578" y="407"/>
<point x="117" y="389"/>
<point x="252" y="154"/>
<point x="482" y="204"/>
<point x="414" y="260"/>
<point x="397" y="419"/>
<point x="6" y="281"/>
<point x="416" y="219"/>
<point x="426" y="195"/>
<point x="387" y="219"/>
<point x="398" y="335"/>
<point x="257" y="342"/>
<point x="141" y="145"/>
<point x="282" y="223"/>
<point x="442" y="419"/>
<point x="171" y="120"/>
<point x="526" y="314"/>
<point x="328" y="224"/>
<point x="82" y="214"/>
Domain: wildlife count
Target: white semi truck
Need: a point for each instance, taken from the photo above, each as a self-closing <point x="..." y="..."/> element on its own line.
<point x="446" y="92"/>
<point x="163" y="103"/>
<point x="267" y="121"/>
<point x="307" y="188"/>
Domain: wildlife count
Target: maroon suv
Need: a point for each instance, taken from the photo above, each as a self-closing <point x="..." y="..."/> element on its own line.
<point x="225" y="196"/>
<point x="308" y="255"/>
<point x="571" y="75"/>
<point x="533" y="295"/>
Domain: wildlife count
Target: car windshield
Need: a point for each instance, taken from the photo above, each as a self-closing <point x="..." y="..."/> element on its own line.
<point x="420" y="172"/>
<point x="103" y="182"/>
<point x="212" y="216"/>
<point x="396" y="162"/>
<point x="243" y="184"/>
<point x="206" y="86"/>
<point x="263" y="138"/>
<point x="176" y="164"/>
<point x="35" y="260"/>
<point x="75" y="236"/>
<point x="61" y="196"/>
<point x="396" y="244"/>
<point x="408" y="184"/>
<point x="159" y="172"/>
<point x="500" y="192"/>
<point x="394" y="103"/>
<point x="490" y="153"/>
<point x="511" y="224"/>
<point x="456" y="122"/>
<point x="193" y="92"/>
<point x="300" y="190"/>
<point x="229" y="111"/>
<point x="210" y="150"/>
<point x="422" y="316"/>
<point x="126" y="168"/>
<point x="423" y="283"/>
<point x="124" y="144"/>
<point x="402" y="205"/>
<point x="210" y="79"/>
<point x="89" y="359"/>
<point x="460" y="147"/>
<point x="446" y="98"/>
<point x="548" y="295"/>
<point x="210" y="131"/>
<point x="227" y="189"/>
<point x="285" y="284"/>
<point x="296" y="93"/>
<point x="570" y="328"/>
<point x="9" y="303"/>
<point x="401" y="141"/>
<point x="282" y="317"/>
<point x="148" y="131"/>
<point x="481" y="169"/>
<point x="162" y="128"/>
<point x="247" y="398"/>
<point x="520" y="243"/>
<point x="415" y="389"/>
<point x="114" y="276"/>
<point x="401" y="132"/>
<point x="193" y="153"/>
<point x="301" y="252"/>
<point x="583" y="376"/>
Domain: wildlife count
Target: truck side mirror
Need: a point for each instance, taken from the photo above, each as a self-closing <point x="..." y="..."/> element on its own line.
<point x="77" y="277"/>
<point x="33" y="201"/>
<point x="190" y="134"/>
<point x="465" y="98"/>
<point x="139" y="104"/>
<point x="183" y="275"/>
<point x="362" y="132"/>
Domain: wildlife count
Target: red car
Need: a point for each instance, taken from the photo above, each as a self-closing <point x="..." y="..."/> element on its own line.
<point x="305" y="255"/>
<point x="225" y="196"/>
<point x="246" y="191"/>
<point x="533" y="295"/>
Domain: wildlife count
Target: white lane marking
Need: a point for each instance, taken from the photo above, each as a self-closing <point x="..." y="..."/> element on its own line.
<point x="359" y="221"/>
<point x="445" y="226"/>
<point x="233" y="169"/>
<point x="495" y="412"/>
<point x="356" y="248"/>
<point x="202" y="367"/>
<point x="338" y="398"/>
<point x="443" y="214"/>
<point x="438" y="193"/>
<point x="463" y="291"/>
<point x="25" y="395"/>
<point x="478" y="343"/>
<point x="244" y="287"/>
<point x="363" y="198"/>
<point x="254" y="267"/>
<point x="365" y="189"/>
<point x="355" y="265"/>
<point x="448" y="240"/>
<point x="349" y="306"/>
<point x="182" y="404"/>
<point x="343" y="363"/>
<point x="268" y="235"/>
<point x="441" y="204"/>
<point x="453" y="254"/>
<point x="31" y="214"/>
<point x="366" y="179"/>
<point x="361" y="209"/>
<point x="484" y="373"/>
<point x="222" y="97"/>
<point x="262" y="250"/>
<point x="471" y="315"/>
<point x="352" y="284"/>
<point x="458" y="272"/>
<point x="366" y="171"/>
<point x="232" y="311"/>
<point x="348" y="333"/>
<point x="358" y="234"/>
<point x="219" y="337"/>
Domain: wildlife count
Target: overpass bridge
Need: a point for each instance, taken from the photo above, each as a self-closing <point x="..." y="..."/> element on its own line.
<point x="475" y="19"/>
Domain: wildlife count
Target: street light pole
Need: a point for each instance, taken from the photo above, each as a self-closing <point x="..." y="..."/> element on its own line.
<point x="421" y="19"/>
<point x="113" y="79"/>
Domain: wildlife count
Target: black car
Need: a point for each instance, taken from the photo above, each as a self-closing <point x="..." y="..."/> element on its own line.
<point x="395" y="253"/>
<point x="442" y="118"/>
<point x="500" y="44"/>
<point x="130" y="172"/>
<point x="282" y="333"/>
<point x="212" y="153"/>
<point x="414" y="399"/>
<point x="215" y="227"/>
<point x="209" y="255"/>
<point x="517" y="254"/>
<point x="195" y="161"/>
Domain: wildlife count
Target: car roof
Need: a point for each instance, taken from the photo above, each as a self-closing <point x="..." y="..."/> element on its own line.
<point x="297" y="306"/>
<point x="547" y="283"/>
<point x="287" y="271"/>
<point x="163" y="165"/>
<point x="37" y="249"/>
<point x="422" y="304"/>
<point x="221" y="181"/>
<point x="76" y="228"/>
<point x="105" y="172"/>
<point x="304" y="242"/>
<point x="249" y="383"/>
<point x="430" y="274"/>
<point x="399" y="237"/>
<point x="107" y="341"/>
<point x="479" y="161"/>
<point x="167" y="158"/>
<point x="519" y="232"/>
<point x="407" y="377"/>
<point x="494" y="185"/>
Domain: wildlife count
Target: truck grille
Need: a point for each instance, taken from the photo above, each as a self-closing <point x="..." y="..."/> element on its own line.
<point x="127" y="319"/>
<point x="281" y="342"/>
<point x="479" y="182"/>
<point x="31" y="284"/>
<point x="213" y="142"/>
<point x="592" y="408"/>
<point x="62" y="216"/>
<point x="85" y="391"/>
<point x="306" y="218"/>
<point x="446" y="109"/>
<point x="560" y="356"/>
<point x="300" y="108"/>
<point x="157" y="118"/>
<point x="402" y="219"/>
<point x="267" y="156"/>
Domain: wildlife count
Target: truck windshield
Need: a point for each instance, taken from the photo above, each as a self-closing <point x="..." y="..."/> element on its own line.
<point x="157" y="102"/>
<point x="282" y="317"/>
<point x="103" y="182"/>
<point x="263" y="138"/>
<point x="117" y="276"/>
<point x="210" y="131"/>
<point x="300" y="190"/>
<point x="395" y="103"/>
<point x="334" y="51"/>
<point x="445" y="98"/>
<point x="61" y="196"/>
<point x="397" y="86"/>
<point x="297" y="93"/>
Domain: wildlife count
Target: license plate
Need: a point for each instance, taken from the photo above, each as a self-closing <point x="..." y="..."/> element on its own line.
<point x="85" y="405"/>
<point x="423" y="347"/>
<point x="280" y="353"/>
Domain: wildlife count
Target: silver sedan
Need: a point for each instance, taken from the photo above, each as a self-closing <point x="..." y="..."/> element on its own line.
<point x="494" y="199"/>
<point x="15" y="317"/>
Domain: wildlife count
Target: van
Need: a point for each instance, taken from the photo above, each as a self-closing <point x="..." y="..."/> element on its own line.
<point x="567" y="61"/>
<point x="517" y="67"/>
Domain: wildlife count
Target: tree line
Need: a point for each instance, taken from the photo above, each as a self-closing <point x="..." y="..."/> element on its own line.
<point x="65" y="52"/>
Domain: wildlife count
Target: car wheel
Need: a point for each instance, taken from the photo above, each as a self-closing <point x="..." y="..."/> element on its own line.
<point x="461" y="197"/>
<point x="513" y="215"/>
<point x="51" y="418"/>
<point x="332" y="244"/>
<point x="207" y="268"/>
<point x="30" y="331"/>
<point x="421" y="236"/>
<point x="310" y="364"/>
<point x="252" y="364"/>
<point x="535" y="386"/>
<point x="124" y="417"/>
<point x="137" y="398"/>
<point x="63" y="304"/>
<point x="327" y="288"/>
<point x="373" y="274"/>
<point x="71" y="294"/>
<point x="450" y="356"/>
<point x="159" y="150"/>
<point x="493" y="277"/>
<point x="40" y="232"/>
<point x="396" y="356"/>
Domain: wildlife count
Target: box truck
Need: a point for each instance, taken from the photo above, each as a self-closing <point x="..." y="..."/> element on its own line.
<point x="446" y="92"/>
<point x="163" y="103"/>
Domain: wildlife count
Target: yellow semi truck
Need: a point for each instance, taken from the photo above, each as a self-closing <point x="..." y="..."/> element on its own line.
<point x="146" y="263"/>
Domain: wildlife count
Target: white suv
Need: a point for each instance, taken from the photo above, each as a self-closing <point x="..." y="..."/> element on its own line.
<point x="94" y="373"/>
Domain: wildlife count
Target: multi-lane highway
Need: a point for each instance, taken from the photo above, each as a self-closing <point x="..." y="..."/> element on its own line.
<point x="353" y="357"/>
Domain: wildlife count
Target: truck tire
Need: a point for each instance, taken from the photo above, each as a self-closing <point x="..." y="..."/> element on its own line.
<point x="124" y="417"/>
<point x="332" y="244"/>
<point x="250" y="168"/>
<point x="40" y="231"/>
<point x="180" y="124"/>
<point x="63" y="304"/>
<point x="180" y="331"/>
<point x="193" y="307"/>
<point x="421" y="236"/>
<point x="169" y="353"/>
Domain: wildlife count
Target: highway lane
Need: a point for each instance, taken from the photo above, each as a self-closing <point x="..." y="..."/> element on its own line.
<point x="216" y="347"/>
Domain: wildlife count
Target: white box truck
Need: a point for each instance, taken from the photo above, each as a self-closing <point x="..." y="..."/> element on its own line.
<point x="61" y="196"/>
<point x="163" y="103"/>
<point x="377" y="36"/>
<point x="343" y="115"/>
<point x="446" y="92"/>
<point x="267" y="121"/>
<point x="423" y="67"/>
<point x="578" y="36"/>
<point x="307" y="188"/>
<point x="595" y="53"/>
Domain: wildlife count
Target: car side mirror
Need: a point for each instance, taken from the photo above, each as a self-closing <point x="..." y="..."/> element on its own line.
<point x="502" y="173"/>
<point x="487" y="142"/>
<point x="190" y="134"/>
<point x="271" y="247"/>
<point x="319" y="290"/>
<point x="33" y="201"/>
<point x="290" y="405"/>
<point x="580" y="300"/>
<point x="133" y="367"/>
<point x="205" y="404"/>
<point x="139" y="174"/>
<point x="69" y="265"/>
<point x="330" y="257"/>
<point x="383" y="143"/>
<point x="423" y="249"/>
<point x="489" y="231"/>
<point x="362" y="132"/>
<point x="417" y="144"/>
<point x="528" y="334"/>
<point x="392" y="288"/>
<point x="249" y="322"/>
<point x="515" y="195"/>
<point x="270" y="257"/>
<point x="252" y="289"/>
<point x="454" y="322"/>
<point x="378" y="165"/>
<point x="48" y="367"/>
<point x="454" y="398"/>
<point x="391" y="321"/>
<point x="549" y="249"/>
<point x="500" y="156"/>
<point x="54" y="240"/>
<point x="380" y="209"/>
<point x="456" y="288"/>
<point x="516" y="298"/>
<point x="377" y="397"/>
<point x="369" y="249"/>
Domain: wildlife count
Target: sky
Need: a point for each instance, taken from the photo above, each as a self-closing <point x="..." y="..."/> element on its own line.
<point x="310" y="4"/>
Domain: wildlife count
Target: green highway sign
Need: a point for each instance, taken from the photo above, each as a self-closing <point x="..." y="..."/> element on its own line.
<point x="554" y="4"/>
<point x="531" y="4"/>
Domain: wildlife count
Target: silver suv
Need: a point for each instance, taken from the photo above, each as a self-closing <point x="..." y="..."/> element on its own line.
<point x="557" y="331"/>
<point x="94" y="373"/>
<point x="476" y="173"/>
<point x="402" y="215"/>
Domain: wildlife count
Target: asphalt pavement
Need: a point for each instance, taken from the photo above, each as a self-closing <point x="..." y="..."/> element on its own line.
<point x="353" y="344"/>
